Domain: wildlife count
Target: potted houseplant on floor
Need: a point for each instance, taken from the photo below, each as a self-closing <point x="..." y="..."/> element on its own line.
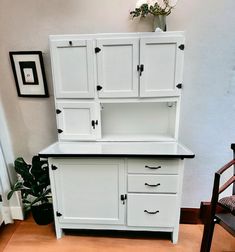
<point x="34" y="184"/>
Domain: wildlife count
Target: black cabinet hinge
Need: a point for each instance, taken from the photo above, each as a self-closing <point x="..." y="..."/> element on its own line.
<point x="94" y="123"/>
<point x="140" y="69"/>
<point x="179" y="85"/>
<point x="58" y="214"/>
<point x="98" y="88"/>
<point x="181" y="47"/>
<point x="53" y="167"/>
<point x="59" y="131"/>
<point x="58" y="111"/>
<point x="97" y="50"/>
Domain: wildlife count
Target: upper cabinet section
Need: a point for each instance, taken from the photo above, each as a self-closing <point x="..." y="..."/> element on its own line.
<point x="73" y="68"/>
<point x="162" y="62"/>
<point x="117" y="65"/>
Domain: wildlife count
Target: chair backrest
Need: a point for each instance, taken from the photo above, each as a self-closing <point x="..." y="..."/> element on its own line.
<point x="233" y="148"/>
<point x="217" y="188"/>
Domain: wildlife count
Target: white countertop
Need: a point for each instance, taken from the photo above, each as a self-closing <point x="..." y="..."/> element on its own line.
<point x="162" y="149"/>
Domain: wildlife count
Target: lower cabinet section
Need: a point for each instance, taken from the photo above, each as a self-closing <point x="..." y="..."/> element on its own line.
<point x="103" y="193"/>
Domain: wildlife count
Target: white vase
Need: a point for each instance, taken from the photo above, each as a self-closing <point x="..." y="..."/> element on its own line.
<point x="159" y="21"/>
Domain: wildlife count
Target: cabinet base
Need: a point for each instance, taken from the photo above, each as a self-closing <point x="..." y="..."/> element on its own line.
<point x="129" y="231"/>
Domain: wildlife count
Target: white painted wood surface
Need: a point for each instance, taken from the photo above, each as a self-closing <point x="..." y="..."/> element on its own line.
<point x="88" y="190"/>
<point x="73" y="68"/>
<point x="163" y="63"/>
<point x="75" y="120"/>
<point x="151" y="210"/>
<point x="142" y="183"/>
<point x="117" y="67"/>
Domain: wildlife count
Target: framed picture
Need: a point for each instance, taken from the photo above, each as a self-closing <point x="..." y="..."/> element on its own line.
<point x="29" y="74"/>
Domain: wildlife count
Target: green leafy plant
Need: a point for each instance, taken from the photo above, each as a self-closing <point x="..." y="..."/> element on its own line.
<point x="144" y="8"/>
<point x="33" y="182"/>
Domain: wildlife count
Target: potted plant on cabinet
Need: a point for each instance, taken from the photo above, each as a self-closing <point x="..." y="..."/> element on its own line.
<point x="34" y="184"/>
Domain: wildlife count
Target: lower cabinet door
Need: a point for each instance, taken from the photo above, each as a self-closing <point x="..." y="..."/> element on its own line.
<point x="151" y="210"/>
<point x="88" y="191"/>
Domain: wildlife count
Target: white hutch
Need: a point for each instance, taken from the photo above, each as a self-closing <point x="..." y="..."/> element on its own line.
<point x="117" y="164"/>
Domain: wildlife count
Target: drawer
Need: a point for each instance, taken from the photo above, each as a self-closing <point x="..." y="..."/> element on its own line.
<point x="151" y="210"/>
<point x="153" y="166"/>
<point x="153" y="183"/>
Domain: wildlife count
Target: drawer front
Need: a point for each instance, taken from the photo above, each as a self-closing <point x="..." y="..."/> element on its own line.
<point x="153" y="183"/>
<point x="151" y="210"/>
<point x="153" y="166"/>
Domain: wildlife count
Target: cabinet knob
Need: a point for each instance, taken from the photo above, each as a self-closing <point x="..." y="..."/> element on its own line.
<point x="140" y="69"/>
<point x="123" y="198"/>
<point x="94" y="123"/>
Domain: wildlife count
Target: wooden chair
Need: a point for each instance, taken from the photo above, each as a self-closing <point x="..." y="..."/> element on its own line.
<point x="226" y="217"/>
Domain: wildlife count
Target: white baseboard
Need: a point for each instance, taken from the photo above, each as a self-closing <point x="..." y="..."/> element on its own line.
<point x="17" y="213"/>
<point x="1" y="217"/>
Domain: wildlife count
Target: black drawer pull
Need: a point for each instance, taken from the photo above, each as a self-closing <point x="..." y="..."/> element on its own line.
<point x="146" y="211"/>
<point x="158" y="184"/>
<point x="153" y="167"/>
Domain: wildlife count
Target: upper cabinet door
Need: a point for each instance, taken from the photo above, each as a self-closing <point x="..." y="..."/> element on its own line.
<point x="78" y="120"/>
<point x="162" y="66"/>
<point x="117" y="67"/>
<point x="73" y="68"/>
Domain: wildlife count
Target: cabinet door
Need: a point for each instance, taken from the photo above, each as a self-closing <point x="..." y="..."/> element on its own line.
<point x="117" y="67"/>
<point x="73" y="68"/>
<point x="78" y="121"/>
<point x="162" y="61"/>
<point x="88" y="190"/>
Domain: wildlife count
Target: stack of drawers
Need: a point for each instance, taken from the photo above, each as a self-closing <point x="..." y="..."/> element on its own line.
<point x="153" y="192"/>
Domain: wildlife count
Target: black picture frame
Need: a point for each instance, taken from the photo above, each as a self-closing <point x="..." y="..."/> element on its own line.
<point x="29" y="73"/>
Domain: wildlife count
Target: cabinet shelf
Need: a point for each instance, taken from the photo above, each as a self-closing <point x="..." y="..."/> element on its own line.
<point x="137" y="137"/>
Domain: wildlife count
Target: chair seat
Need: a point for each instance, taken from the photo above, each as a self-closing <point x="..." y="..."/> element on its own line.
<point x="228" y="203"/>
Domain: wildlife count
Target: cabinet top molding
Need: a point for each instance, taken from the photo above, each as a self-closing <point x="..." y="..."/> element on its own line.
<point x="119" y="35"/>
<point x="117" y="149"/>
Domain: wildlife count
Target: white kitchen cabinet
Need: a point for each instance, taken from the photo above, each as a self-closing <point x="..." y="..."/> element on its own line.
<point x="77" y="120"/>
<point x="117" y="61"/>
<point x="117" y="164"/>
<point x="162" y="62"/>
<point x="73" y="68"/>
<point x="117" y="65"/>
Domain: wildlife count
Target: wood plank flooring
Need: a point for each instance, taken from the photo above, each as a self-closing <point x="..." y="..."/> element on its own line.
<point x="26" y="236"/>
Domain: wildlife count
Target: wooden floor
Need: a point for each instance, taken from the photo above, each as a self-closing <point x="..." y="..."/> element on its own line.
<point x="26" y="236"/>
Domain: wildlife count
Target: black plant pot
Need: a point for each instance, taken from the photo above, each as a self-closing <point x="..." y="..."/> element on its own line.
<point x="43" y="214"/>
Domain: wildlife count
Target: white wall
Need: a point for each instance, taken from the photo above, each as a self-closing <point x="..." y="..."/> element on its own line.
<point x="208" y="117"/>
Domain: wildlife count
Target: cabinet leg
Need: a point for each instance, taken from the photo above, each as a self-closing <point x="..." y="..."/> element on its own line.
<point x="175" y="235"/>
<point x="59" y="232"/>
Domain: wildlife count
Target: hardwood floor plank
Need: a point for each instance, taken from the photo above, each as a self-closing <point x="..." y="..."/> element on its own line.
<point x="6" y="232"/>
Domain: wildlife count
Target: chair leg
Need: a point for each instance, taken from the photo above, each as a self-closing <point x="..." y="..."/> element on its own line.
<point x="207" y="236"/>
